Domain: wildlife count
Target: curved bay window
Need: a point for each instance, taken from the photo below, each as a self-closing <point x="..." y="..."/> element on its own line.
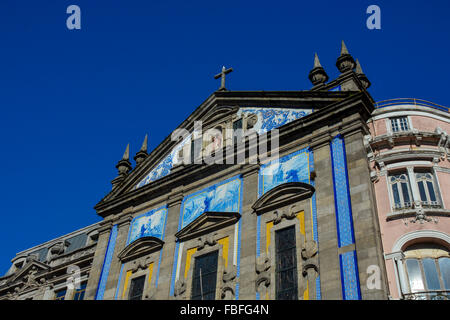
<point x="400" y="190"/>
<point x="428" y="271"/>
<point x="427" y="189"/>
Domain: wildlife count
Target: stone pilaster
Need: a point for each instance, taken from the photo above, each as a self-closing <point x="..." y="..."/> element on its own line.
<point x="247" y="276"/>
<point x="167" y="258"/>
<point x="99" y="257"/>
<point x="123" y="224"/>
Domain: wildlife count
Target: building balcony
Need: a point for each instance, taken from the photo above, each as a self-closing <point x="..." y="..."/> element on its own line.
<point x="428" y="295"/>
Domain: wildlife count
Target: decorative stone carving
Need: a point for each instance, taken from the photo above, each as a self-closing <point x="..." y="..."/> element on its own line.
<point x="180" y="288"/>
<point x="279" y="215"/>
<point x="263" y="265"/>
<point x="421" y="217"/>
<point x="309" y="255"/>
<point x="150" y="295"/>
<point x="229" y="283"/>
<point x="142" y="263"/>
<point x="209" y="239"/>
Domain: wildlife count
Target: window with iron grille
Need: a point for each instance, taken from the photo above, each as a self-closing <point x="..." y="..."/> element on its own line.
<point x="286" y="265"/>
<point x="137" y="288"/>
<point x="400" y="189"/>
<point x="205" y="277"/>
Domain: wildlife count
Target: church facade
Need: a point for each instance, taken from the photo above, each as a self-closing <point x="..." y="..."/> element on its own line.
<point x="257" y="195"/>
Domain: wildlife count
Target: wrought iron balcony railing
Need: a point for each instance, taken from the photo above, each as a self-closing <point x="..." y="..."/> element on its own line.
<point x="428" y="295"/>
<point x="410" y="101"/>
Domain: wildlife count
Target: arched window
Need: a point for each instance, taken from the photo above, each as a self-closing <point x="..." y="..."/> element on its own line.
<point x="427" y="190"/>
<point x="401" y="194"/>
<point x="428" y="271"/>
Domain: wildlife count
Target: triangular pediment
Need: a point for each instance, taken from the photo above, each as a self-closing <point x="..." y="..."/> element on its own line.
<point x="28" y="272"/>
<point x="283" y="195"/>
<point x="207" y="222"/>
<point x="140" y="247"/>
<point x="217" y="107"/>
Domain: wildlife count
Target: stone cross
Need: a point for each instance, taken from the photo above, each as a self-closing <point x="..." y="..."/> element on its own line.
<point x="222" y="75"/>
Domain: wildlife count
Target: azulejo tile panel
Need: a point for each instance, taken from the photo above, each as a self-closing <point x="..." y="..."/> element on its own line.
<point x="163" y="168"/>
<point x="293" y="167"/>
<point x="221" y="197"/>
<point x="344" y="220"/>
<point x="106" y="263"/>
<point x="271" y="118"/>
<point x="341" y="193"/>
<point x="150" y="224"/>
<point x="349" y="275"/>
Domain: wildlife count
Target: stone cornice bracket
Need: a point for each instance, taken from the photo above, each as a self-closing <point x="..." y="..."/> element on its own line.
<point x="125" y="217"/>
<point x="248" y="170"/>
<point x="105" y="226"/>
<point x="175" y="199"/>
<point x="320" y="141"/>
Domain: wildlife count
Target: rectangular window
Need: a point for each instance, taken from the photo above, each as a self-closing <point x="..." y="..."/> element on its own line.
<point x="399" y="124"/>
<point x="237" y="131"/>
<point x="137" y="288"/>
<point x="60" y="294"/>
<point x="286" y="265"/>
<point x="205" y="277"/>
<point x="79" y="293"/>
<point x="196" y="149"/>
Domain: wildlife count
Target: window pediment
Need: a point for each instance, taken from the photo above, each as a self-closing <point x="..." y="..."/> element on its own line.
<point x="207" y="222"/>
<point x="140" y="247"/>
<point x="283" y="195"/>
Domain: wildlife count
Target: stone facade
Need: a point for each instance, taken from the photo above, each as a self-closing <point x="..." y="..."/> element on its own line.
<point x="165" y="213"/>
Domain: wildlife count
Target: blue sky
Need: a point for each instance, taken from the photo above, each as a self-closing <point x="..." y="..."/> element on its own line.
<point x="72" y="99"/>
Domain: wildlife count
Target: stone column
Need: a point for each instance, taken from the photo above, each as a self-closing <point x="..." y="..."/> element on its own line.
<point x="123" y="222"/>
<point x="329" y="268"/>
<point x="97" y="262"/>
<point x="168" y="250"/>
<point x="368" y="244"/>
<point x="247" y="276"/>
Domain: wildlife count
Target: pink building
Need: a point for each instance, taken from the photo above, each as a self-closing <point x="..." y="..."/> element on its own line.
<point x="409" y="154"/>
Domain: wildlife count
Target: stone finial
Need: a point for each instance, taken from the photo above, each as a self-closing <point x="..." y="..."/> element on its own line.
<point x="361" y="76"/>
<point x="345" y="62"/>
<point x="142" y="154"/>
<point x="124" y="165"/>
<point x="317" y="75"/>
